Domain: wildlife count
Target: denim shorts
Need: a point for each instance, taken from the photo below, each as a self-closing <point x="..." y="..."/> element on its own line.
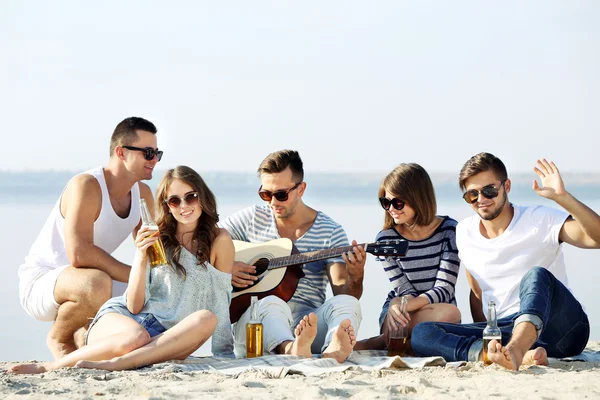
<point x="147" y="320"/>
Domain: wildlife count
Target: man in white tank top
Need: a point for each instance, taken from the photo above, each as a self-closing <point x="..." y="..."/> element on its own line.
<point x="513" y="256"/>
<point x="69" y="271"/>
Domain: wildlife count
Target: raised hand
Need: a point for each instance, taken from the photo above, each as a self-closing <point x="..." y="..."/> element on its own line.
<point x="552" y="183"/>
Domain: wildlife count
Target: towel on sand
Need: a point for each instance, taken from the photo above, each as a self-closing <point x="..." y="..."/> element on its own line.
<point x="278" y="366"/>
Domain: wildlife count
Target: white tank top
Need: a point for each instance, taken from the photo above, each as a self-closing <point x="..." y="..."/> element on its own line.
<point x="48" y="251"/>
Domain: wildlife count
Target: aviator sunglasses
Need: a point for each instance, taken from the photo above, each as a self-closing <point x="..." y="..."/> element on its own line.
<point x="280" y="195"/>
<point x="190" y="199"/>
<point x="489" y="192"/>
<point x="386" y="203"/>
<point x="149" y="152"/>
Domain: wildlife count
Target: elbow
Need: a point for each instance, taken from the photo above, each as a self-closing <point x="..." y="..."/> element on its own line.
<point x="76" y="258"/>
<point x="79" y="254"/>
<point x="134" y="308"/>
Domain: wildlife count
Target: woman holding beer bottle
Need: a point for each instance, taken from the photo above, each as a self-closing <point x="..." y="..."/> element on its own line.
<point x="168" y="310"/>
<point x="426" y="276"/>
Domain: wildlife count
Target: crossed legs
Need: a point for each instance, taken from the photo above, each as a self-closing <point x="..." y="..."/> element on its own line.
<point x="117" y="342"/>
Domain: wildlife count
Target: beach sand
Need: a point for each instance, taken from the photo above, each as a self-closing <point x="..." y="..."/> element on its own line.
<point x="559" y="380"/>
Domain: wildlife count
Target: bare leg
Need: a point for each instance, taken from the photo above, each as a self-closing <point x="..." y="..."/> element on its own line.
<point x="112" y="335"/>
<point x="517" y="352"/>
<point x="80" y="293"/>
<point x="432" y="312"/>
<point x="305" y="334"/>
<point x="176" y="343"/>
<point x="342" y="343"/>
<point x="372" y="343"/>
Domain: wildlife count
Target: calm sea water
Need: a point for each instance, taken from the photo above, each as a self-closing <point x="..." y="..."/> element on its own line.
<point x="25" y="204"/>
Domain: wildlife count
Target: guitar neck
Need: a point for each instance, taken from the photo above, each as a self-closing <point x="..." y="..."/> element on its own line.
<point x="303" y="258"/>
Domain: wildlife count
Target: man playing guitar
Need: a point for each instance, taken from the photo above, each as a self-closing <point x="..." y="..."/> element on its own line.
<point x="321" y="326"/>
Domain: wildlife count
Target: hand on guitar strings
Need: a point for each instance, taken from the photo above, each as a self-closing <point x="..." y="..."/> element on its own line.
<point x="355" y="262"/>
<point x="240" y="275"/>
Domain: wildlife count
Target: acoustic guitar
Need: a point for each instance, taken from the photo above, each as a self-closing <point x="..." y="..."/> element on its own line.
<point x="279" y="267"/>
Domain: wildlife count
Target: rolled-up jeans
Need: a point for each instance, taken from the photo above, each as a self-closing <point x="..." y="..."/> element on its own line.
<point x="280" y="318"/>
<point x="562" y="325"/>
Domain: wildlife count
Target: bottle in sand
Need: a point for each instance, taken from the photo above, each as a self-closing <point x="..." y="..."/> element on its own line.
<point x="254" y="332"/>
<point x="399" y="339"/>
<point x="491" y="331"/>
<point x="156" y="252"/>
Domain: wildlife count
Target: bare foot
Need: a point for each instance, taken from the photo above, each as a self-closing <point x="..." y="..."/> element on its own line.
<point x="29" y="368"/>
<point x="105" y="365"/>
<point x="58" y="349"/>
<point x="536" y="357"/>
<point x="509" y="357"/>
<point x="342" y="343"/>
<point x="305" y="335"/>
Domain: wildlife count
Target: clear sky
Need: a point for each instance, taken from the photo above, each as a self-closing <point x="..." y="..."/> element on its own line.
<point x="351" y="85"/>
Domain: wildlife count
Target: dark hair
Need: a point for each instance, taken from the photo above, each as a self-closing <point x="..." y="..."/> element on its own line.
<point x="480" y="163"/>
<point x="207" y="229"/>
<point x="279" y="161"/>
<point x="126" y="132"/>
<point x="411" y="184"/>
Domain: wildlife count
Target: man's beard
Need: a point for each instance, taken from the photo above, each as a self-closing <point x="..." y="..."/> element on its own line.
<point x="497" y="211"/>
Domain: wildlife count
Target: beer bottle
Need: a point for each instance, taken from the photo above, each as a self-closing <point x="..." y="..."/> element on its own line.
<point x="398" y="340"/>
<point x="254" y="331"/>
<point x="491" y="331"/>
<point x="156" y="252"/>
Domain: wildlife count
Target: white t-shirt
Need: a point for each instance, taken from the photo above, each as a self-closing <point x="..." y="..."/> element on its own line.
<point x="499" y="264"/>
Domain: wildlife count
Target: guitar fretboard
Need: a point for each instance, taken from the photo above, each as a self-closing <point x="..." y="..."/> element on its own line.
<point x="303" y="258"/>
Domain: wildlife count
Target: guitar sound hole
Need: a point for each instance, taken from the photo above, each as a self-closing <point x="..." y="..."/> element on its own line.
<point x="262" y="264"/>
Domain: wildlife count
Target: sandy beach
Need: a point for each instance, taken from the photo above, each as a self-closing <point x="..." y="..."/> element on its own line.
<point x="559" y="380"/>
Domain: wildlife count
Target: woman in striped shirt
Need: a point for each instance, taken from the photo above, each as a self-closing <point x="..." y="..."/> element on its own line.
<point x="427" y="274"/>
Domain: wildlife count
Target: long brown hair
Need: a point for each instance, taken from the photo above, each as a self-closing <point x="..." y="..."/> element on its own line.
<point x="207" y="229"/>
<point x="411" y="184"/>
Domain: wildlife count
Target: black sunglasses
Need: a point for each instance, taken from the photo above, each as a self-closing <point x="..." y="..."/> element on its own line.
<point x="386" y="203"/>
<point x="190" y="198"/>
<point x="280" y="195"/>
<point x="489" y="192"/>
<point x="149" y="152"/>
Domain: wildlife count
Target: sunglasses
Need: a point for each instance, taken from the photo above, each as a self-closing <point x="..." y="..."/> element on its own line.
<point x="149" y="152"/>
<point x="190" y="198"/>
<point x="386" y="203"/>
<point x="489" y="192"/>
<point x="280" y="195"/>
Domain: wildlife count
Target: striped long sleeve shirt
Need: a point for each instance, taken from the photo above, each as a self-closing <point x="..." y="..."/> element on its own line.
<point x="430" y="267"/>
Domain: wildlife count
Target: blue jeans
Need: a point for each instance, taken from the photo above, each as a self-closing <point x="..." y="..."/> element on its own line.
<point x="563" y="326"/>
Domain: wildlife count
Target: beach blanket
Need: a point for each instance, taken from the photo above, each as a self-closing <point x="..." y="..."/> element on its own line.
<point x="278" y="366"/>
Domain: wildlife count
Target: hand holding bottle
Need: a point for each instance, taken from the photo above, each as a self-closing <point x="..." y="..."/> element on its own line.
<point x="145" y="238"/>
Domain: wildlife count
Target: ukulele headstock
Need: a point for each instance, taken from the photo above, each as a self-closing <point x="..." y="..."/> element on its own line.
<point x="388" y="248"/>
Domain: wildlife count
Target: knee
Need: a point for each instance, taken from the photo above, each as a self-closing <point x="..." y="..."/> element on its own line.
<point x="97" y="287"/>
<point x="450" y="313"/>
<point x="271" y="302"/>
<point x="536" y="276"/>
<point x="345" y="300"/>
<point x="204" y="320"/>
<point x="138" y="338"/>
